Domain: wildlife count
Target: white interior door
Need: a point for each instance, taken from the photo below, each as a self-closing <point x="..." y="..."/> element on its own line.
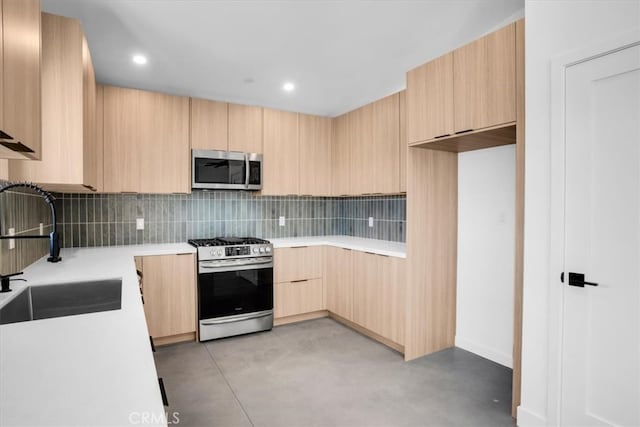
<point x="601" y="332"/>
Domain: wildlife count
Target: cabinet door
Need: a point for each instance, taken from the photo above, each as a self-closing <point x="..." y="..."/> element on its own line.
<point x="146" y="142"/>
<point x="209" y="125"/>
<point x="292" y="264"/>
<point x="367" y="302"/>
<point x="430" y="100"/>
<point x="485" y="81"/>
<point x="90" y="154"/>
<point x="245" y="128"/>
<point x="169" y="287"/>
<point x="338" y="279"/>
<point x="100" y="137"/>
<point x="292" y="298"/>
<point x="315" y="155"/>
<point x="402" y="142"/>
<point x="21" y="74"/>
<point x="69" y="155"/>
<point x="341" y="157"/>
<point x="280" y="153"/>
<point x="362" y="150"/>
<point x="383" y="171"/>
<point x="392" y="295"/>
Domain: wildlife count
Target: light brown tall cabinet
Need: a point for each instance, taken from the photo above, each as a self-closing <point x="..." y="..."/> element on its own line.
<point x="477" y="102"/>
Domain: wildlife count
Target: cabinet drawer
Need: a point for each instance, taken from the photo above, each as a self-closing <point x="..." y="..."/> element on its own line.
<point x="299" y="297"/>
<point x="297" y="263"/>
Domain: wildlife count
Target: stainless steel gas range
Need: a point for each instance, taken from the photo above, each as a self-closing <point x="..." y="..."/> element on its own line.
<point x="235" y="286"/>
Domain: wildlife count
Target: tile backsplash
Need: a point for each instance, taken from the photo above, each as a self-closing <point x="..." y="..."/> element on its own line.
<point x="110" y="219"/>
<point x="24" y="211"/>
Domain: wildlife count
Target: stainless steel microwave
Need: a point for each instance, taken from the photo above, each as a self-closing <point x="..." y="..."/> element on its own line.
<point x="225" y="170"/>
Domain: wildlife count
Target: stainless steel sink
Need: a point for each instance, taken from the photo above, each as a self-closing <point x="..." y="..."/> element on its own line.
<point x="64" y="299"/>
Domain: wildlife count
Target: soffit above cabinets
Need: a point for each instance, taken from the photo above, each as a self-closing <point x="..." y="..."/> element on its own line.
<point x="341" y="55"/>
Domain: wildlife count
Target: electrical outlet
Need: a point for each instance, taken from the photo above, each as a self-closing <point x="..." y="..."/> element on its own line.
<point x="41" y="229"/>
<point x="12" y="242"/>
<point x="139" y="223"/>
<point x="370" y="221"/>
<point x="281" y="221"/>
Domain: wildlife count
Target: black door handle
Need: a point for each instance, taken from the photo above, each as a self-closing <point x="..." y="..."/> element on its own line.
<point x="577" y="279"/>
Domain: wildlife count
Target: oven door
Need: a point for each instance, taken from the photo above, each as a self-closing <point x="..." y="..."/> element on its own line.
<point x="212" y="169"/>
<point x="234" y="292"/>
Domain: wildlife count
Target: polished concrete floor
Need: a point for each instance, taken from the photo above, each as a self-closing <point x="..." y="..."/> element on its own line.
<point x="320" y="373"/>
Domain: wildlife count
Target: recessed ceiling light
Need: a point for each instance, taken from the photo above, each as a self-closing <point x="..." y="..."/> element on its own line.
<point x="139" y="59"/>
<point x="288" y="87"/>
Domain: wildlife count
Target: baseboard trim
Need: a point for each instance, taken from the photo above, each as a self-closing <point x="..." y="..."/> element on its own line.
<point x="173" y="339"/>
<point x="483" y="351"/>
<point x="528" y="418"/>
<point x="300" y="317"/>
<point x="394" y="345"/>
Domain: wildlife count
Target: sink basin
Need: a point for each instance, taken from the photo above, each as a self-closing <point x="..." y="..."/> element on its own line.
<point x="64" y="299"/>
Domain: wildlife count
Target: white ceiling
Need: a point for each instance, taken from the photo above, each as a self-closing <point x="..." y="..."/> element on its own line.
<point x="340" y="54"/>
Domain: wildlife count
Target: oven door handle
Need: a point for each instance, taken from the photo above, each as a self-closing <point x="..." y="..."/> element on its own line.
<point x="224" y="268"/>
<point x="236" y="319"/>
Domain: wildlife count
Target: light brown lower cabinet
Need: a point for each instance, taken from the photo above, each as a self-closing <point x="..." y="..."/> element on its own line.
<point x="299" y="297"/>
<point x="379" y="294"/>
<point x="366" y="290"/>
<point x="169" y="290"/>
<point x="338" y="279"/>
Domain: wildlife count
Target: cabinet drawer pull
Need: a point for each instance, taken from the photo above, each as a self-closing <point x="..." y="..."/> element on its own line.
<point x="165" y="401"/>
<point x="299" y="247"/>
<point x="442" y="136"/>
<point x="184" y="253"/>
<point x="299" y="280"/>
<point x="464" y="131"/>
<point x="4" y="135"/>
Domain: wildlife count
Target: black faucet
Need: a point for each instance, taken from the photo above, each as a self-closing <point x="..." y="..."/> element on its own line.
<point x="54" y="238"/>
<point x="6" y="281"/>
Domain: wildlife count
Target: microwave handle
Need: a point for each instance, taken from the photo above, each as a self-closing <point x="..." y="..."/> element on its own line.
<point x="246" y="170"/>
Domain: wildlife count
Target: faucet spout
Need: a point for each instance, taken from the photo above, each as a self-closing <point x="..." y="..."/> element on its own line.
<point x="54" y="238"/>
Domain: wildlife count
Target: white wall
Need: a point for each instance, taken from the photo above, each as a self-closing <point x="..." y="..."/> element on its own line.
<point x="553" y="28"/>
<point x="486" y="214"/>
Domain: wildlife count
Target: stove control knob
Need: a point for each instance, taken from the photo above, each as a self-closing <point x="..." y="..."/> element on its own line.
<point x="213" y="252"/>
<point x="262" y="249"/>
<point x="268" y="249"/>
<point x="256" y="250"/>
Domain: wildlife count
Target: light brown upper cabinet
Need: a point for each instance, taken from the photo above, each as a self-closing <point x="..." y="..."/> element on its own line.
<point x="340" y="157"/>
<point x="484" y="81"/>
<point x="20" y="116"/>
<point x="469" y="90"/>
<point x="384" y="171"/>
<point x="245" y="128"/>
<point x="430" y="100"/>
<point x="70" y="156"/>
<point x="146" y="142"/>
<point x="209" y="125"/>
<point x="362" y="150"/>
<point x="280" y="151"/>
<point x="315" y="155"/>
<point x="402" y="99"/>
<point x="374" y="132"/>
<point x="100" y="136"/>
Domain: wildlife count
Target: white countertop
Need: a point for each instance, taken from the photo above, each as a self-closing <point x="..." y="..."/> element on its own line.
<point x="381" y="247"/>
<point x="90" y="369"/>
